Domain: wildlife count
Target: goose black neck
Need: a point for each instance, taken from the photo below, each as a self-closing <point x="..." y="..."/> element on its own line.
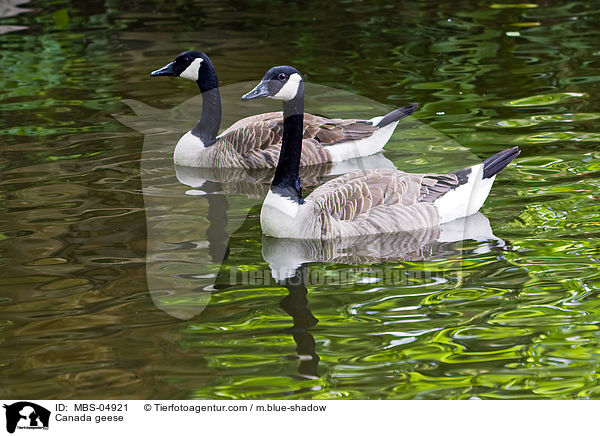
<point x="207" y="128"/>
<point x="286" y="181"/>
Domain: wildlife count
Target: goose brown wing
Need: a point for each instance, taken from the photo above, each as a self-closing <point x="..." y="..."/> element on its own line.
<point x="264" y="130"/>
<point x="332" y="131"/>
<point x="372" y="201"/>
<point x="256" y="140"/>
<point x="257" y="132"/>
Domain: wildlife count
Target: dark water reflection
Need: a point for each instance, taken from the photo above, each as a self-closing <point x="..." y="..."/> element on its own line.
<point x="125" y="280"/>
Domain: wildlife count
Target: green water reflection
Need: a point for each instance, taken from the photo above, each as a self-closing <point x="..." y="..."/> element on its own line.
<point x="78" y="259"/>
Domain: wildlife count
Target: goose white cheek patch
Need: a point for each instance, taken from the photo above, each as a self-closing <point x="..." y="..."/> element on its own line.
<point x="290" y="89"/>
<point x="191" y="72"/>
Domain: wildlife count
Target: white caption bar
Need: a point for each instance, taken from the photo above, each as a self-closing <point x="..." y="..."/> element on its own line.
<point x="295" y="417"/>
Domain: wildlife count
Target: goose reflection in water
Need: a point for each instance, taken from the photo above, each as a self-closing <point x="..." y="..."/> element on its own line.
<point x="295" y="305"/>
<point x="285" y="256"/>
<point x="288" y="259"/>
<point x="254" y="183"/>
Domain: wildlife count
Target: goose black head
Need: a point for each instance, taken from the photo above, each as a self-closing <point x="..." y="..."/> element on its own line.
<point x="280" y="83"/>
<point x="190" y="65"/>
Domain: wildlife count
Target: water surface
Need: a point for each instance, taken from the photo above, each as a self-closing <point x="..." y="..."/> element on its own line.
<point x="120" y="281"/>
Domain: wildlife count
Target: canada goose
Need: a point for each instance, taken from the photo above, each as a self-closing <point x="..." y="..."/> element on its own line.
<point x="254" y="142"/>
<point x="366" y="202"/>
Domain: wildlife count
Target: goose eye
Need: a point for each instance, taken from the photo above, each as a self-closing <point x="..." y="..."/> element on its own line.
<point x="281" y="76"/>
